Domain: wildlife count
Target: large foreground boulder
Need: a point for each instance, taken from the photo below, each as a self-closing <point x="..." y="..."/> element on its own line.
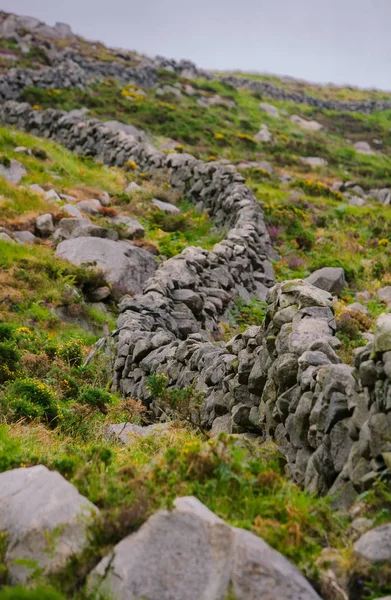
<point x="191" y="554"/>
<point x="44" y="518"/>
<point x="123" y="265"/>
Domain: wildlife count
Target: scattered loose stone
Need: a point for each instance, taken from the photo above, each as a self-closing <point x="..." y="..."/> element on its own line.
<point x="133" y="187"/>
<point x="313" y="161"/>
<point x="13" y="171"/>
<point x="165" y="206"/>
<point x="132" y="228"/>
<point x="304" y="124"/>
<point x="363" y="148"/>
<point x="384" y="294"/>
<point x="270" y="109"/>
<point x="331" y="279"/>
<point x="375" y="545"/>
<point x="263" y="135"/>
<point x="25" y="237"/>
<point x="126" y="433"/>
<point x="44" y="225"/>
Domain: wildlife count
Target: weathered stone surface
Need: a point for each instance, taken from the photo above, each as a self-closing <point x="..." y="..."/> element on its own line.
<point x="330" y="279"/>
<point x="313" y="161"/>
<point x="132" y="228"/>
<point x="382" y="341"/>
<point x="384" y="294"/>
<point x="25" y="237"/>
<point x="375" y="544"/>
<point x="304" y="124"/>
<point x="190" y="553"/>
<point x="127" y="432"/>
<point x="263" y="135"/>
<point x="12" y="172"/>
<point x="363" y="148"/>
<point x="165" y="206"/>
<point x="270" y="109"/>
<point x="44" y="518"/>
<point x="44" y="225"/>
<point x="125" y="266"/>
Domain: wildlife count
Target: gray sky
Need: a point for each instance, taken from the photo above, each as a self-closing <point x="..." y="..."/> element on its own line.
<point x="343" y="41"/>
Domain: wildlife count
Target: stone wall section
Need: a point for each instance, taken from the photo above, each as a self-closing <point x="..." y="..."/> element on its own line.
<point x="70" y="69"/>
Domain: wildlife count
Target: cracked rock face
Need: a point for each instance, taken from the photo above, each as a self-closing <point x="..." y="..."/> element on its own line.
<point x="191" y="554"/>
<point x="45" y="520"/>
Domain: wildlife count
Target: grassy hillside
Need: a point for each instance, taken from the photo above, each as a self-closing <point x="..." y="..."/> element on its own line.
<point x="54" y="408"/>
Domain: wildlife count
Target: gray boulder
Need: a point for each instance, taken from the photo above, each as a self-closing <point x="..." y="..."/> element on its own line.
<point x="44" y="224"/>
<point x="270" y="109"/>
<point x="123" y="265"/>
<point x="313" y="161"/>
<point x="165" y="206"/>
<point x="25" y="237"/>
<point x="133" y="230"/>
<point x="363" y="148"/>
<point x="330" y="279"/>
<point x="382" y="341"/>
<point x="263" y="135"/>
<point x="384" y="294"/>
<point x="304" y="124"/>
<point x="133" y="187"/>
<point x="126" y="432"/>
<point x="44" y="518"/>
<point x="375" y="545"/>
<point x="189" y="554"/>
<point x="13" y="172"/>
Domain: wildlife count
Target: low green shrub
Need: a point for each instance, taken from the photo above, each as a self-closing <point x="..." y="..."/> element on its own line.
<point x="71" y="352"/>
<point x="9" y="360"/>
<point x="32" y="399"/>
<point x="6" y="332"/>
<point x="21" y="593"/>
<point x="96" y="398"/>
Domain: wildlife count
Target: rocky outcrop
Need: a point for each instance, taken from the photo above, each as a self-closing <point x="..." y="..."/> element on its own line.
<point x="45" y="520"/>
<point x="189" y="554"/>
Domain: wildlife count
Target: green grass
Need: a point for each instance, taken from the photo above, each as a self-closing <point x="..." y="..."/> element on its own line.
<point x="62" y="168"/>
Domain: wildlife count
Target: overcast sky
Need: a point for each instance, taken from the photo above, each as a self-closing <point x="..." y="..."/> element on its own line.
<point x="343" y="41"/>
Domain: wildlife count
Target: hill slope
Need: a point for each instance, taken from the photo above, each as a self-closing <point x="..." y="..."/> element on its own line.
<point x="148" y="208"/>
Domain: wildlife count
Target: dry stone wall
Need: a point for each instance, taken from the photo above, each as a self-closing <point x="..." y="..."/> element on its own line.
<point x="70" y="69"/>
<point x="282" y="379"/>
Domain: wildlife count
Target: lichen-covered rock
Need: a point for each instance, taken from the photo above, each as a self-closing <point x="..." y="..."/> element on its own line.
<point x="44" y="518"/>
